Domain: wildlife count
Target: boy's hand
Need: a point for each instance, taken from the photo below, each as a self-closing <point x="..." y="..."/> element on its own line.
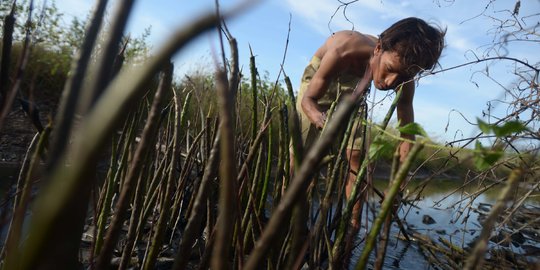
<point x="313" y="112"/>
<point x="321" y="120"/>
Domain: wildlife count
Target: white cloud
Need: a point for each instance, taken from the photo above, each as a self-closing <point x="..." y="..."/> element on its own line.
<point x="459" y="38"/>
<point x="315" y="13"/>
<point x="311" y="9"/>
<point x="366" y="16"/>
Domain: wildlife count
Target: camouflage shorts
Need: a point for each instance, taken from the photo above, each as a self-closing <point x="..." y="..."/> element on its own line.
<point x="343" y="85"/>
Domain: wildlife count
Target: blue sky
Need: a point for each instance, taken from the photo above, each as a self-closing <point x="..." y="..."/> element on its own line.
<point x="440" y="99"/>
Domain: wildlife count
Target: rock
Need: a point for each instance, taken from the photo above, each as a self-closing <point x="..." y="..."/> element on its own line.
<point x="167" y="251"/>
<point x="164" y="263"/>
<point x="426" y="219"/>
<point x="86" y="241"/>
<point x="481" y="218"/>
<point x="484" y="207"/>
<point x="442" y="232"/>
<point x="502" y="238"/>
<point x="115" y="262"/>
<point x="532" y="233"/>
<point x="517" y="238"/>
<point x="531" y="250"/>
<point x="472" y="243"/>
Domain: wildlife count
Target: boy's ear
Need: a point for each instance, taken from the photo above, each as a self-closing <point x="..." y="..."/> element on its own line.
<point x="378" y="48"/>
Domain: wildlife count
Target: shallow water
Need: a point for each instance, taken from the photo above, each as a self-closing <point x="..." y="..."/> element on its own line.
<point x="452" y="205"/>
<point x="455" y="211"/>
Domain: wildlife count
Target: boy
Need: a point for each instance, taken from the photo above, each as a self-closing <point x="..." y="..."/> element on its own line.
<point x="407" y="48"/>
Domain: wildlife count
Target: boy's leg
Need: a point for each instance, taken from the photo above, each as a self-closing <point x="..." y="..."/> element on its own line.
<point x="355" y="154"/>
<point x="353" y="157"/>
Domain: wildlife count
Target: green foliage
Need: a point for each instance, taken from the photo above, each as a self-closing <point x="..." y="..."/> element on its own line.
<point x="75" y="32"/>
<point x="48" y="30"/>
<point x="485" y="158"/>
<point x="508" y="128"/>
<point x="381" y="148"/>
<point x="45" y="23"/>
<point x="53" y="45"/>
<point x="413" y="129"/>
<point x="45" y="74"/>
<point x="201" y="85"/>
<point x="138" y="49"/>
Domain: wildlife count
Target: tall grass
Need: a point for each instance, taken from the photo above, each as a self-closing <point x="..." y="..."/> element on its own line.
<point x="149" y="174"/>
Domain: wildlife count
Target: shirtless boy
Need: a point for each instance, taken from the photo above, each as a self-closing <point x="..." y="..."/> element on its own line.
<point x="408" y="47"/>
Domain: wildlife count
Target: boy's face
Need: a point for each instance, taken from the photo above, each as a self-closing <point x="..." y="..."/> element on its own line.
<point x="388" y="72"/>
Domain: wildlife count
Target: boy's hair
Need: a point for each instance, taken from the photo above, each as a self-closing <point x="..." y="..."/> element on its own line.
<point x="418" y="44"/>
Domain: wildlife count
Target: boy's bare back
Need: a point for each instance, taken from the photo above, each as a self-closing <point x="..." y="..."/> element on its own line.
<point x="346" y="52"/>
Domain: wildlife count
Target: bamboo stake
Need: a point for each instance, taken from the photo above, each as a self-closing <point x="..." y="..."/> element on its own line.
<point x="300" y="215"/>
<point x="9" y="94"/>
<point x="20" y="186"/>
<point x="130" y="182"/>
<point x="298" y="185"/>
<point x="105" y="64"/>
<point x="110" y="187"/>
<point x="63" y="190"/>
<point x="227" y="90"/>
<point x="73" y="86"/>
<point x="136" y="210"/>
<point x="282" y="165"/>
<point x="13" y="240"/>
<point x="383" y="240"/>
<point x="332" y="183"/>
<point x="347" y="212"/>
<point x="195" y="218"/>
<point x="150" y="260"/>
<point x="476" y="258"/>
<point x="268" y="169"/>
<point x="187" y="168"/>
<point x="387" y="205"/>
<point x="228" y="186"/>
<point x="7" y="42"/>
<point x="253" y="71"/>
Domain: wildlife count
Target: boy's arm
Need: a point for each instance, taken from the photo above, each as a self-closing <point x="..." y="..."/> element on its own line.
<point x="318" y="87"/>
<point x="405" y="114"/>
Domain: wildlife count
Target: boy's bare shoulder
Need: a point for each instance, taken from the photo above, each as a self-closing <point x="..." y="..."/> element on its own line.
<point x="354" y="37"/>
<point x="372" y="38"/>
<point x="348" y="50"/>
<point x="352" y="42"/>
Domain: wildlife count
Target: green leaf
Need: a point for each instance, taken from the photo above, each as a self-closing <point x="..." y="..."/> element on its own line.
<point x="501" y="131"/>
<point x="413" y="129"/>
<point x="492" y="156"/>
<point x="484" y="127"/>
<point x="379" y="148"/>
<point x="485" y="158"/>
<point x="509" y="128"/>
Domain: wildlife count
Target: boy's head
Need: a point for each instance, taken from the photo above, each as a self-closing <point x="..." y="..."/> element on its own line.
<point x="418" y="44"/>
